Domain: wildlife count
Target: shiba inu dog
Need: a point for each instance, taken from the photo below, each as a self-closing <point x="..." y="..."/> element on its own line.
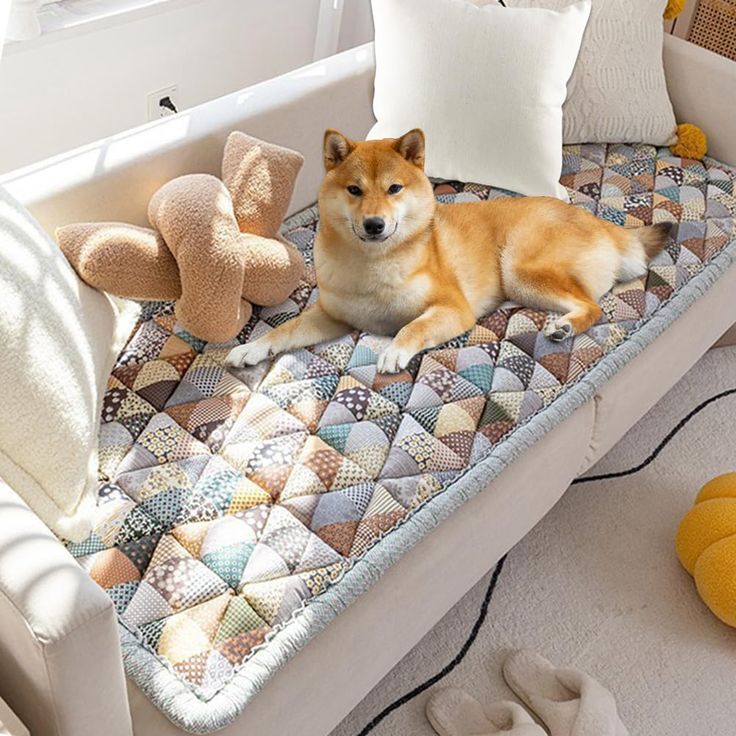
<point x="391" y="260"/>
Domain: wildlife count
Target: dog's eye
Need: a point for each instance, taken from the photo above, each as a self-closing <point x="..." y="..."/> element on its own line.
<point x="355" y="191"/>
<point x="395" y="188"/>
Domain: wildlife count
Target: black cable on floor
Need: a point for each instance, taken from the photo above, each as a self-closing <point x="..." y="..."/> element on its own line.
<point x="451" y="665"/>
<point x="670" y="435"/>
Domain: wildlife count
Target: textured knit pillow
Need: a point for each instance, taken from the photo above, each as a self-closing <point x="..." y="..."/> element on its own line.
<point x="59" y="341"/>
<point x="617" y="93"/>
<point x="486" y="84"/>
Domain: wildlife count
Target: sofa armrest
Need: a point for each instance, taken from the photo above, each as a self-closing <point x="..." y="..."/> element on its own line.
<point x="62" y="671"/>
<point x="702" y="86"/>
<point x="10" y="724"/>
<point x="114" y="178"/>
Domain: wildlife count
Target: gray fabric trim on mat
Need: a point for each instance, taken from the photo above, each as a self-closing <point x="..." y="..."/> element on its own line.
<point x="186" y="710"/>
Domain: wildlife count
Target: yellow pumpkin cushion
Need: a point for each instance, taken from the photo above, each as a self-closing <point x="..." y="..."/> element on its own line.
<point x="706" y="545"/>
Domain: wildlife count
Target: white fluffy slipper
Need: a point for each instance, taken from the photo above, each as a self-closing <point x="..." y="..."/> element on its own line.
<point x="453" y="712"/>
<point x="568" y="701"/>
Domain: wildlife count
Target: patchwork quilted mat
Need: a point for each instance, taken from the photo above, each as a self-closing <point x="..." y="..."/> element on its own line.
<point x="232" y="503"/>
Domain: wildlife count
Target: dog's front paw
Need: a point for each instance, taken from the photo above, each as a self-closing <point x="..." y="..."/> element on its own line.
<point x="249" y="354"/>
<point x="559" y="330"/>
<point x="394" y="358"/>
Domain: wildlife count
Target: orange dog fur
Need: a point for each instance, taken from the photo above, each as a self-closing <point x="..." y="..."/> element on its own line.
<point x="391" y="260"/>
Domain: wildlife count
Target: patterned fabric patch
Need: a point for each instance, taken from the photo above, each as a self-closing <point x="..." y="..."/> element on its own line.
<point x="228" y="501"/>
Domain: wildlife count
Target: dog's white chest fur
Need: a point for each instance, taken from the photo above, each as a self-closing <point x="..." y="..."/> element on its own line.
<point x="371" y="296"/>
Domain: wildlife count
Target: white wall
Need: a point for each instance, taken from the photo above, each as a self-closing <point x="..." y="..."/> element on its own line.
<point x="357" y="24"/>
<point x="77" y="87"/>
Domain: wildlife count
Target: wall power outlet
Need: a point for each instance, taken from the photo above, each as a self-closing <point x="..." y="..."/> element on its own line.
<point x="163" y="102"/>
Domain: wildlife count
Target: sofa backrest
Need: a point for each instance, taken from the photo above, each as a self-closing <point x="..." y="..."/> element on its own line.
<point x="113" y="179"/>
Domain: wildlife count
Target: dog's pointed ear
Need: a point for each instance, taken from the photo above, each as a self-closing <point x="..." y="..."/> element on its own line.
<point x="411" y="147"/>
<point x="336" y="148"/>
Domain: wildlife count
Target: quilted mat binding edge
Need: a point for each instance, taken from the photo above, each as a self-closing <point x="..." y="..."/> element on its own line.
<point x="154" y="674"/>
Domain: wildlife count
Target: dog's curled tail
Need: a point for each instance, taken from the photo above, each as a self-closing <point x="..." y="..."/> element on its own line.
<point x="653" y="238"/>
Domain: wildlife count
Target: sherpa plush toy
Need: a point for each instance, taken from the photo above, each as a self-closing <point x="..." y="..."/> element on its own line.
<point x="214" y="246"/>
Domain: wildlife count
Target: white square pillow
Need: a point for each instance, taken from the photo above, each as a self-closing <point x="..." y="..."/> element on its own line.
<point x="486" y="84"/>
<point x="59" y="340"/>
<point x="618" y="93"/>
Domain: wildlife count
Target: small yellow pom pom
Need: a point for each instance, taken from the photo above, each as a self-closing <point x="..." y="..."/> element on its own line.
<point x="691" y="142"/>
<point x="674" y="8"/>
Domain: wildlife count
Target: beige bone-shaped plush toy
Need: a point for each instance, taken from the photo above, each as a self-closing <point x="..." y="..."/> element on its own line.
<point x="214" y="246"/>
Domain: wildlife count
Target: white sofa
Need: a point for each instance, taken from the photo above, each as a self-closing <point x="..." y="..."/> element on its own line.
<point x="60" y="665"/>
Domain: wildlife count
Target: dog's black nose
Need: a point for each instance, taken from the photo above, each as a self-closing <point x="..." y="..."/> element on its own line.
<point x="374" y="225"/>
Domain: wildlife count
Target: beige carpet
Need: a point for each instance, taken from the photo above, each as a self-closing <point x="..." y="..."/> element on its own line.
<point x="597" y="585"/>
